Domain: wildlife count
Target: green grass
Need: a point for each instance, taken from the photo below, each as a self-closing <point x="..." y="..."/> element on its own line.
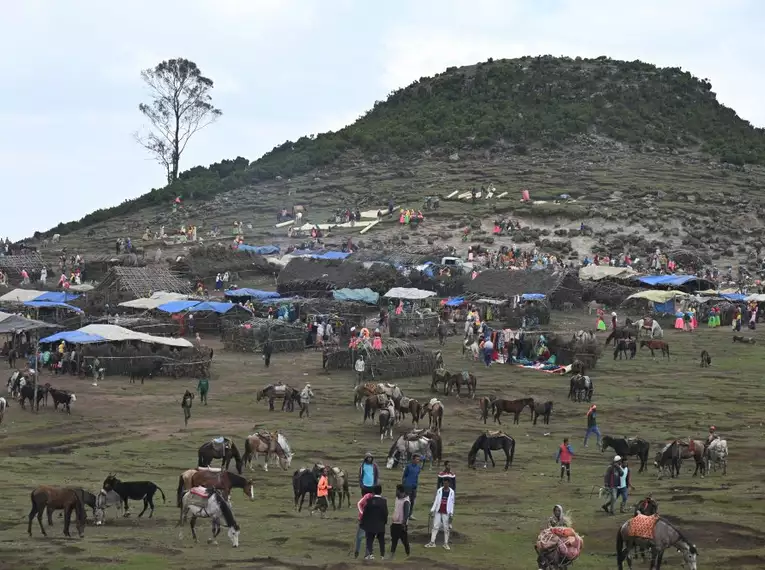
<point x="137" y="431"/>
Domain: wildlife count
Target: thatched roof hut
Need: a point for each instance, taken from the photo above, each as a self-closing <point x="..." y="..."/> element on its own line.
<point x="559" y="285"/>
<point x="318" y="277"/>
<point x="12" y="265"/>
<point x="207" y="261"/>
<point x="397" y="359"/>
<point x="127" y="283"/>
<point x="253" y="334"/>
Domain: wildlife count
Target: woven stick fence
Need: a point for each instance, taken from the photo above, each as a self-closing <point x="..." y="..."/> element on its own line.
<point x="397" y="359"/>
<point x="14" y="264"/>
<point x="252" y="335"/>
<point x="123" y="358"/>
<point x="423" y="324"/>
<point x="566" y="350"/>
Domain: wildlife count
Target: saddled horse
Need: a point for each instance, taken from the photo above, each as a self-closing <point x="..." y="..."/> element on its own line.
<point x="374" y="403"/>
<point x="222" y="448"/>
<point x="440" y="376"/>
<point x="581" y="388"/>
<point x="628" y="446"/>
<point x="650" y="328"/>
<point x="543" y="409"/>
<point x="364" y="391"/>
<point x="67" y="498"/>
<point x="484" y="405"/>
<point x="304" y="482"/>
<point x="208" y="503"/>
<point x="408" y="406"/>
<point x="669" y="459"/>
<point x="673" y="453"/>
<point x="514" y="407"/>
<point x="272" y="445"/>
<point x="466" y="379"/>
<point x="279" y="390"/>
<point x="387" y="420"/>
<point x="694" y="449"/>
<point x="492" y="441"/>
<point x="338" y="483"/>
<point x="215" y="478"/>
<point x="435" y="411"/>
<point x="415" y="443"/>
<point x="656" y="533"/>
<point x="716" y="455"/>
<point x="391" y="390"/>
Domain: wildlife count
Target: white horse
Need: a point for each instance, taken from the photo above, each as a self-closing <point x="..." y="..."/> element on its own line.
<point x="656" y="331"/>
<point x="403" y="448"/>
<point x="104" y="500"/>
<point x="717" y="455"/>
<point x="3" y="407"/>
<point x="198" y="503"/>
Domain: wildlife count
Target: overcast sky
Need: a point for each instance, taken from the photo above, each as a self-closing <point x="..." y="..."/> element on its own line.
<point x="286" y="68"/>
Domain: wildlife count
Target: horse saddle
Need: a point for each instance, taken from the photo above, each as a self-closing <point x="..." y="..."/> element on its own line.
<point x="221" y="444"/>
<point x="433" y="402"/>
<point x="200" y="492"/>
<point x="495" y="433"/>
<point x="642" y="526"/>
<point x="404" y="402"/>
<point x="466" y="376"/>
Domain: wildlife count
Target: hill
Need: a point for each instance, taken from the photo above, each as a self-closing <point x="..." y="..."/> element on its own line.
<point x="597" y="129"/>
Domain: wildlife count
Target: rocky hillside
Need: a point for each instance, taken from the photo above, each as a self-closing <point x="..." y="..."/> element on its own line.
<point x="648" y="153"/>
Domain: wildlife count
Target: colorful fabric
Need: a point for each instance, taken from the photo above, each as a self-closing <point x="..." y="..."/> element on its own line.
<point x="642" y="526"/>
<point x="568" y="543"/>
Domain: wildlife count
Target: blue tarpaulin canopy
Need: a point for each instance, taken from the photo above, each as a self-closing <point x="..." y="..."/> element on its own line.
<point x="216" y="306"/>
<point x="57" y="297"/>
<point x="331" y="255"/>
<point x="176" y="306"/>
<point x="74" y="337"/>
<point x="50" y="305"/>
<point x="532" y="296"/>
<point x="734" y="296"/>
<point x="259" y="249"/>
<point x="365" y="295"/>
<point x="455" y="302"/>
<point x="256" y="293"/>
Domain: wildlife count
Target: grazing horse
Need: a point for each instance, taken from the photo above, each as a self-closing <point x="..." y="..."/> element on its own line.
<point x="716" y="454"/>
<point x="656" y="345"/>
<point x="581" y="388"/>
<point x="542" y="409"/>
<point x="435" y="411"/>
<point x="492" y="441"/>
<point x="628" y="446"/>
<point x="135" y="490"/>
<point x="338" y="484"/>
<point x="219" y="448"/>
<point x="409" y="405"/>
<point x="514" y="407"/>
<point x="304" y="482"/>
<point x="188" y="399"/>
<point x="273" y="445"/>
<point x="484" y="404"/>
<point x="466" y="379"/>
<point x="208" y="503"/>
<point x="647" y="507"/>
<point x="215" y="478"/>
<point x="656" y="533"/>
<point x="279" y="390"/>
<point x="374" y="403"/>
<point x="387" y="420"/>
<point x="67" y="498"/>
<point x="410" y="444"/>
<point x="104" y="500"/>
<point x="3" y="407"/>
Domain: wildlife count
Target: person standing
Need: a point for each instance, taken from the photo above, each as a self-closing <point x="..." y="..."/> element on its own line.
<point x="442" y="512"/>
<point x="611" y="482"/>
<point x="565" y="455"/>
<point x="410" y="480"/>
<point x="447" y="473"/>
<point x="360" y="366"/>
<point x="322" y="492"/>
<point x="369" y="474"/>
<point x="592" y="424"/>
<point x="625" y="484"/>
<point x="374" y="520"/>
<point x="398" y="527"/>
<point x="360" y="533"/>
<point x="268" y="350"/>
<point x="305" y="399"/>
<point x="203" y="387"/>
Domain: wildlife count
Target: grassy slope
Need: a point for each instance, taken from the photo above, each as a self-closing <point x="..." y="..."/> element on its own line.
<point x="138" y="432"/>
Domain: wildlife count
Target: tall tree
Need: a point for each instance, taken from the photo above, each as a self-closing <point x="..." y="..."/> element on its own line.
<point x="180" y="106"/>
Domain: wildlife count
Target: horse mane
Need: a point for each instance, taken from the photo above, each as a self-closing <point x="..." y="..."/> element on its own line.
<point x="394" y="447"/>
<point x="225" y="509"/>
<point x="235" y="478"/>
<point x="282" y="442"/>
<point x="681" y="536"/>
<point x="235" y="451"/>
<point x="477" y="445"/>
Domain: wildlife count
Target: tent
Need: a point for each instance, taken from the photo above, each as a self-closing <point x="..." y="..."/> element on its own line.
<point x="365" y="295"/>
<point x="255" y="293"/>
<point x="594" y="272"/>
<point x="74" y="337"/>
<point x="410" y="293"/>
<point x="331" y="255"/>
<point x="657" y="296"/>
<point x="216" y="306"/>
<point x="177" y="306"/>
<point x="259" y="249"/>
<point x="533" y="296"/>
<point x="455" y="302"/>
<point x="157" y="299"/>
<point x="114" y="333"/>
<point x="57" y="297"/>
<point x="13" y="323"/>
<point x="51" y="305"/>
<point x="21" y="296"/>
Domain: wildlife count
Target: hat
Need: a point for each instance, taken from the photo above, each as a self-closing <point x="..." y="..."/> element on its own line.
<point x="613" y="314"/>
<point x="617" y="458"/>
<point x="368" y="454"/>
<point x="307" y="385"/>
<point x="712" y="428"/>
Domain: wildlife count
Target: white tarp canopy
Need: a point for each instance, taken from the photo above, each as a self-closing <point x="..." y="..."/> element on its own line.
<point x="82" y="288"/>
<point x="114" y="333"/>
<point x="409" y="293"/>
<point x="756" y="298"/>
<point x="157" y="299"/>
<point x="597" y="272"/>
<point x="21" y="296"/>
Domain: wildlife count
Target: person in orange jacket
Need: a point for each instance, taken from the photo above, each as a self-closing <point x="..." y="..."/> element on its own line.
<point x="322" y="492"/>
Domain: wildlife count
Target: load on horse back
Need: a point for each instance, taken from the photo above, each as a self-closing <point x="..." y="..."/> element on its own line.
<point x="557" y="547"/>
<point x="271" y="445"/>
<point x="279" y="390"/>
<point x="214" y="478"/>
<point x="464" y="378"/>
<point x="435" y="410"/>
<point x="222" y="448"/>
<point x="656" y="533"/>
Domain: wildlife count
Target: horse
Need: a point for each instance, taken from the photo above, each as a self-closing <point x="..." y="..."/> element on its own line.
<point x="338" y="483"/>
<point x="27" y="392"/>
<point x="304" y="482"/>
<point x="664" y="535"/>
<point x="440" y="376"/>
<point x="364" y="391"/>
<point x="542" y="409"/>
<point x="650" y="327"/>
<point x="67" y="498"/>
<point x="273" y="391"/>
<point x="626" y="347"/>
<point x="374" y="403"/>
<point x="408" y="445"/>
<point x="581" y="388"/>
<point x="647" y="507"/>
<point x="188" y="399"/>
<point x="578" y="367"/>
<point x="408" y="405"/>
<point x="3" y="407"/>
<point x="669" y="458"/>
<point x="620" y="333"/>
<point x="88" y="500"/>
<point x="467" y="379"/>
<point x="201" y="502"/>
<point x="391" y="390"/>
<point x="270" y="444"/>
<point x="656" y="345"/>
<point x="219" y="448"/>
<point x="104" y="500"/>
<point x="435" y="411"/>
<point x="696" y="450"/>
<point x="60" y="397"/>
<point x="135" y="490"/>
<point x="625" y="447"/>
<point x="492" y="441"/>
<point x="484" y="404"/>
<point x="387" y="420"/>
<point x="716" y="454"/>
<point x="514" y="407"/>
<point x="215" y="478"/>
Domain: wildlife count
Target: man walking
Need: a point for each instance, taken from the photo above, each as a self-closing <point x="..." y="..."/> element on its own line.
<point x="369" y="474"/>
<point x="625" y="484"/>
<point x="374" y="520"/>
<point x="268" y="350"/>
<point x="203" y="387"/>
<point x="398" y="527"/>
<point x="322" y="492"/>
<point x="611" y="482"/>
<point x="305" y="399"/>
<point x="592" y="424"/>
<point x="442" y="512"/>
<point x="410" y="480"/>
<point x="565" y="454"/>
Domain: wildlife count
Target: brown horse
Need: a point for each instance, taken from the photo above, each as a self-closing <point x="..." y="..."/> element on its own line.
<point x="440" y="376"/>
<point x="514" y="407"/>
<point x="216" y="478"/>
<point x="694" y="449"/>
<point x="484" y="404"/>
<point x="543" y="409"/>
<point x="467" y="379"/>
<point x="271" y="444"/>
<point x="67" y="498"/>
<point x="363" y="391"/>
<point x="374" y="403"/>
<point x="408" y="405"/>
<point x="656" y="345"/>
<point x="435" y="411"/>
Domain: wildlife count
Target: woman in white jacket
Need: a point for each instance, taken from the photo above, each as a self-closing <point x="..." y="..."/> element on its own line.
<point x="442" y="512"/>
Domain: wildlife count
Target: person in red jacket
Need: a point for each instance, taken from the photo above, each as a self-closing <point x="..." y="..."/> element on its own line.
<point x="565" y="455"/>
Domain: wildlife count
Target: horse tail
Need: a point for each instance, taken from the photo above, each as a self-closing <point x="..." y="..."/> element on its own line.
<point x="161" y="492"/>
<point x="512" y="449"/>
<point x="247" y="450"/>
<point x="181" y="488"/>
<point x="619" y="548"/>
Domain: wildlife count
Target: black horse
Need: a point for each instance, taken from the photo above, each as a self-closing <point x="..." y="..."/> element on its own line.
<point x="224" y="450"/>
<point x="135" y="490"/>
<point x="632" y="446"/>
<point x="543" y="409"/>
<point x="670" y="457"/>
<point x="618" y="333"/>
<point x="304" y="482"/>
<point x="581" y="388"/>
<point x="492" y="441"/>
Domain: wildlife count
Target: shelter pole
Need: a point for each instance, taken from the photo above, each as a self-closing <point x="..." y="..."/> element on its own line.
<point x="37" y="379"/>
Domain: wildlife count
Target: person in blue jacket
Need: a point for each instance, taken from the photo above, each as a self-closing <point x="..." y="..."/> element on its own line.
<point x="410" y="480"/>
<point x="369" y="474"/>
